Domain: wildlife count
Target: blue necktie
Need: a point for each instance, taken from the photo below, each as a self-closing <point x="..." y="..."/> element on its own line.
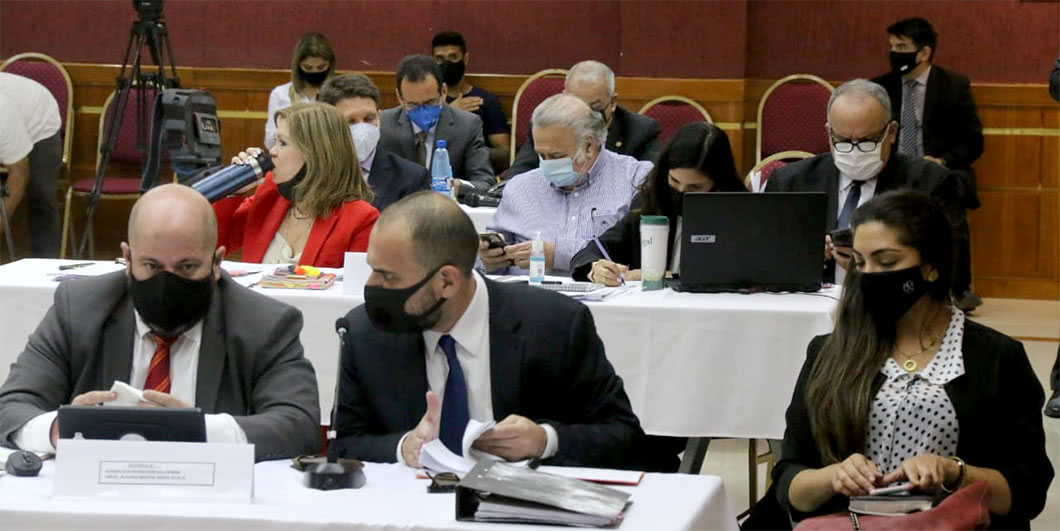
<point x="853" y="197"/>
<point x="454" y="403"/>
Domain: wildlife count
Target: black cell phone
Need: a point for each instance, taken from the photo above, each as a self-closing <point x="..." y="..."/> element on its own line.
<point x="494" y="240"/>
<point x="842" y="237"/>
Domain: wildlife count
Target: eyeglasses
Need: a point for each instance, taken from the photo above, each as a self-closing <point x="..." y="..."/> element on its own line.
<point x="864" y="146"/>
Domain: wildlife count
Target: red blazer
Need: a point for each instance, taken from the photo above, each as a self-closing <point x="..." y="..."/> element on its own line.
<point x="251" y="223"/>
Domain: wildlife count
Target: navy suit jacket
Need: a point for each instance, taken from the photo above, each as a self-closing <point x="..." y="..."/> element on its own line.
<point x="546" y="363"/>
<point x="393" y="177"/>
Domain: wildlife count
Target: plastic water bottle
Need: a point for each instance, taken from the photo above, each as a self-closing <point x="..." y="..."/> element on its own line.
<point x="537" y="259"/>
<point x="441" y="171"/>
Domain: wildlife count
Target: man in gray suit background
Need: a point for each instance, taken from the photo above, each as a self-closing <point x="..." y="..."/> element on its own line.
<point x="413" y="128"/>
<point x="176" y="326"/>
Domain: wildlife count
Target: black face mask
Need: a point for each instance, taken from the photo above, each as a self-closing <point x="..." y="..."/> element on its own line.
<point x="169" y="303"/>
<point x="286" y="188"/>
<point x="890" y="294"/>
<point x="903" y="62"/>
<point x="386" y="308"/>
<point x="452" y="72"/>
<point x="313" y="78"/>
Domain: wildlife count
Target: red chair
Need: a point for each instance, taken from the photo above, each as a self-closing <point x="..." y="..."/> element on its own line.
<point x="48" y="72"/>
<point x="126" y="151"/>
<point x="672" y="112"/>
<point x="759" y="175"/>
<point x="531" y="93"/>
<point x="792" y="116"/>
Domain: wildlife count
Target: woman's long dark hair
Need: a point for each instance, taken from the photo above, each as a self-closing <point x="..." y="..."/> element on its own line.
<point x="702" y="146"/>
<point x="839" y="389"/>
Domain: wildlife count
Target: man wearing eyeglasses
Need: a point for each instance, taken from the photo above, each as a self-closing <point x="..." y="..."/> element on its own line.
<point x="861" y="164"/>
<point x="422" y="118"/>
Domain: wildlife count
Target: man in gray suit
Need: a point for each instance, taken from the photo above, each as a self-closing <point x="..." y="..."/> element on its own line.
<point x="413" y="128"/>
<point x="176" y="326"/>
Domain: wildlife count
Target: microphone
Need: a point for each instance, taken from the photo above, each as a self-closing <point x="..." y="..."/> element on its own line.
<point x="221" y="184"/>
<point x="332" y="474"/>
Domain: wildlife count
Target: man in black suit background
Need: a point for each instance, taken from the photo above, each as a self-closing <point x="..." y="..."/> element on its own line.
<point x="390" y="176"/>
<point x="861" y="164"/>
<point x="436" y="344"/>
<point x="413" y="128"/>
<point x="628" y="133"/>
<point x="938" y="122"/>
<point x="1052" y="407"/>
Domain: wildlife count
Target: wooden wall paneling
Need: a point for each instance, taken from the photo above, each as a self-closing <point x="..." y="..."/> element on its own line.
<point x="1049" y="229"/>
<point x="1009" y="161"/>
<point x="1005" y="237"/>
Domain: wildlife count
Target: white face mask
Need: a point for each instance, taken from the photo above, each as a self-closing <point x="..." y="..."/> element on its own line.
<point x="859" y="165"/>
<point x="365" y="138"/>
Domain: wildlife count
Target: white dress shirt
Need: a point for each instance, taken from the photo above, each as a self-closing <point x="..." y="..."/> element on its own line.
<point x="35" y="435"/>
<point x="472" y="336"/>
<point x="868" y="189"/>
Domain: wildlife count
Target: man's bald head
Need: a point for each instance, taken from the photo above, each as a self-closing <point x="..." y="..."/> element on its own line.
<point x="172" y="228"/>
<point x="439" y="231"/>
<point x="173" y="207"/>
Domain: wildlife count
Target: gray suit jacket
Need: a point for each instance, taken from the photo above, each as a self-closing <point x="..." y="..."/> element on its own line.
<point x="250" y="362"/>
<point x="468" y="153"/>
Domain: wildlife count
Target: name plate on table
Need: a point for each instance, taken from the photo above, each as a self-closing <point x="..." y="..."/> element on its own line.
<point x="154" y="471"/>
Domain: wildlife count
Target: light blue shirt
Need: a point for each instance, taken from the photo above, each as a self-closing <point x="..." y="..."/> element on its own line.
<point x="565" y="217"/>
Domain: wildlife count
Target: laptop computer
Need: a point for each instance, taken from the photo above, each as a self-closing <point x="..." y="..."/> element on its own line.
<point x="752" y="242"/>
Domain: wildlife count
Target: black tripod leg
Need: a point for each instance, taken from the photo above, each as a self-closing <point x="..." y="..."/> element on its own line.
<point x="7" y="225"/>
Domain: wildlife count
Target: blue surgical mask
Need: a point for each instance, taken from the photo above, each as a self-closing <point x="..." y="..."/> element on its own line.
<point x="425" y="116"/>
<point x="559" y="172"/>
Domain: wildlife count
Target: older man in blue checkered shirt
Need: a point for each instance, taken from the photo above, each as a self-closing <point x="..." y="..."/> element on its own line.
<point x="579" y="190"/>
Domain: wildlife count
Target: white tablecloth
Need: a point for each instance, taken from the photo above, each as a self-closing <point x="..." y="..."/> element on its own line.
<point x="480" y="216"/>
<point x="702" y="365"/>
<point x="391" y="499"/>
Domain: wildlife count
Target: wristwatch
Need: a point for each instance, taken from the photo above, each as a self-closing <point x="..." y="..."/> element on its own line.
<point x="960" y="476"/>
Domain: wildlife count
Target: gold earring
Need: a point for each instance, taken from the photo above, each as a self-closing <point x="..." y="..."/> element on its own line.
<point x="933" y="276"/>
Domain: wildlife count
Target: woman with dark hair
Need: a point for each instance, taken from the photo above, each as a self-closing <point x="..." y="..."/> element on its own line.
<point x="697" y="159"/>
<point x="905" y="391"/>
<point x="312" y="63"/>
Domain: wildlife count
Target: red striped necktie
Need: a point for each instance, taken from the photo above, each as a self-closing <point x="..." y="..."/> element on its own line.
<point x="158" y="371"/>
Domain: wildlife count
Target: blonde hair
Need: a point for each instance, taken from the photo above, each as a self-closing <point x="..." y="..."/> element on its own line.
<point x="310" y="45"/>
<point x="333" y="173"/>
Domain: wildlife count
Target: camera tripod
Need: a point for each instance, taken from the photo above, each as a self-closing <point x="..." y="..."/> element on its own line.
<point x="147" y="32"/>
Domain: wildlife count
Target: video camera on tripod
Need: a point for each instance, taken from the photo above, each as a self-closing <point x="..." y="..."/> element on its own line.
<point x="184" y="121"/>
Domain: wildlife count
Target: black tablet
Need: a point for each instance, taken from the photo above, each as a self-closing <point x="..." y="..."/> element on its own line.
<point x="132" y="423"/>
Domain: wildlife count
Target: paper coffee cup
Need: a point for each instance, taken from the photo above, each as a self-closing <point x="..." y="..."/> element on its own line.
<point x="654" y="235"/>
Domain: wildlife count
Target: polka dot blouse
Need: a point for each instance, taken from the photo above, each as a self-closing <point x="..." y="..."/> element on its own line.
<point x="911" y="414"/>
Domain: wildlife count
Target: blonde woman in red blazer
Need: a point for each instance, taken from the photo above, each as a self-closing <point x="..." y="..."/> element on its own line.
<point x="313" y="207"/>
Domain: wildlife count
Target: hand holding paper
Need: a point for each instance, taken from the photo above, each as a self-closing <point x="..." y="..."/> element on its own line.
<point x="515" y="438"/>
<point x="425" y="431"/>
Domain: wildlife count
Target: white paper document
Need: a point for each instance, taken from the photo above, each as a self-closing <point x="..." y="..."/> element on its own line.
<point x="436" y="457"/>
